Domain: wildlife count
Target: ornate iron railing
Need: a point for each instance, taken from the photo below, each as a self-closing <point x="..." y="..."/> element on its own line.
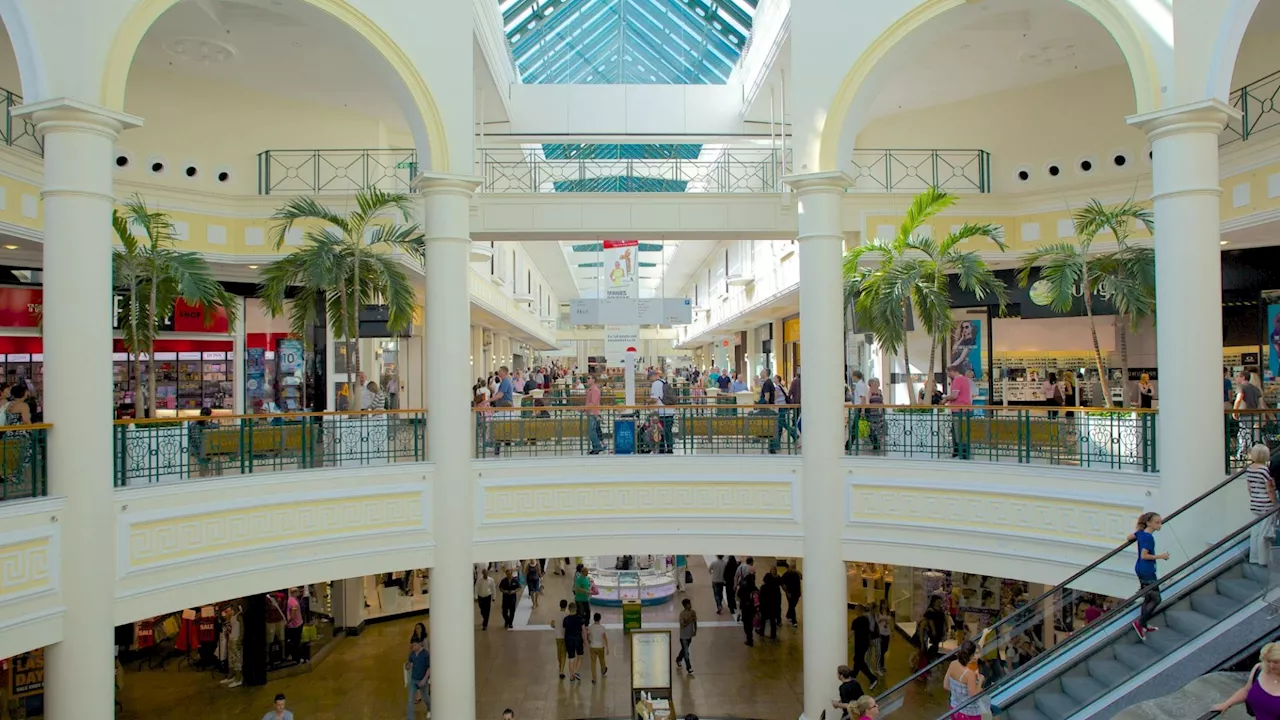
<point x="1082" y="437"/>
<point x="1246" y="428"/>
<point x="24" y="472"/>
<point x="162" y="450"/>
<point x="1257" y="105"/>
<point x="319" y="172"/>
<point x="19" y="132"/>
<point x="917" y="170"/>
<point x="730" y="170"/>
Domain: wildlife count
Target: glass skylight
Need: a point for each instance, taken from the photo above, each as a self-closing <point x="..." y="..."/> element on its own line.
<point x="612" y="42"/>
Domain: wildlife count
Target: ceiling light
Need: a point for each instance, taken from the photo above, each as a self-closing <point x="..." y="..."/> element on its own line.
<point x="253" y="267"/>
<point x="1220" y="242"/>
<point x="10" y="247"/>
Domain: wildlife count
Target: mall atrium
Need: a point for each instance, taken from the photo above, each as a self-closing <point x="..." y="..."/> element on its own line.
<point x="436" y="311"/>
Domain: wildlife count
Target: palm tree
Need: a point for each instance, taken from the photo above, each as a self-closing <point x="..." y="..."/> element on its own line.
<point x="1125" y="276"/>
<point x="344" y="265"/>
<point x="913" y="275"/>
<point x="155" y="274"/>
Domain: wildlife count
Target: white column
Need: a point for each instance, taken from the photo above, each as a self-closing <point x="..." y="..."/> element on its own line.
<point x="79" y="145"/>
<point x="237" y="364"/>
<point x="447" y="218"/>
<point x="822" y="492"/>
<point x="478" y="370"/>
<point x="1185" y="191"/>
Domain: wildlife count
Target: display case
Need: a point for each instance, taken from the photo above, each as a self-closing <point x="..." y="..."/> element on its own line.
<point x="216" y="370"/>
<point x="652" y="580"/>
<point x="190" y="381"/>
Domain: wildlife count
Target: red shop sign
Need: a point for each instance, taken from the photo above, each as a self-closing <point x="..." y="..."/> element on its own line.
<point x="191" y="318"/>
<point x="21" y="307"/>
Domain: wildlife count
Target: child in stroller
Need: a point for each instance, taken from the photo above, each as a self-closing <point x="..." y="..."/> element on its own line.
<point x="650" y="436"/>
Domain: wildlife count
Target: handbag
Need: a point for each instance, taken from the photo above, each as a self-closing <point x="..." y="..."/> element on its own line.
<point x="308" y="633"/>
<point x="594" y="590"/>
<point x="688" y="577"/>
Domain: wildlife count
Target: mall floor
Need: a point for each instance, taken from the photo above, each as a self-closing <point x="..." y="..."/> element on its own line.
<point x="361" y="678"/>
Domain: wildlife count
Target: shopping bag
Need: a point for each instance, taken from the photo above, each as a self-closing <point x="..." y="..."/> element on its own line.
<point x="308" y="633"/>
<point x="594" y="590"/>
<point x="688" y="577"/>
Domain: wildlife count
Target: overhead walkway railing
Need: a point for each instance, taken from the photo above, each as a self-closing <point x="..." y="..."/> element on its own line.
<point x="727" y="170"/>
<point x="913" y="171"/>
<point x="1257" y="105"/>
<point x="327" y="172"/>
<point x="1044" y="660"/>
<point x="18" y="132"/>
<point x="1096" y="438"/>
<point x="169" y="449"/>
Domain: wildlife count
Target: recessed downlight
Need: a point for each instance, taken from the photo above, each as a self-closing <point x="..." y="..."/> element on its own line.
<point x="10" y="247"/>
<point x="1222" y="242"/>
<point x="253" y="267"/>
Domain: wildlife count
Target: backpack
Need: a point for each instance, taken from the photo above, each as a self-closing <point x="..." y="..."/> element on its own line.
<point x="668" y="394"/>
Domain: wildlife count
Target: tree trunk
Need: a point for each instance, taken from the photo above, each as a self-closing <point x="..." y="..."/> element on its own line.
<point x="906" y="357"/>
<point x="139" y="406"/>
<point x="1124" y="358"/>
<point x="1097" y="351"/>
<point x="929" y="381"/>
<point x="353" y="355"/>
<point x="151" y="353"/>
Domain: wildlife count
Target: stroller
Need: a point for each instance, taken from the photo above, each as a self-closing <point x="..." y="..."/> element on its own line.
<point x="649" y="439"/>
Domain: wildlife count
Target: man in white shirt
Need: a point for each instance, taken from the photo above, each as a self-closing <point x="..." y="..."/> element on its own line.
<point x="598" y="643"/>
<point x="859" y="394"/>
<point x="484" y="595"/>
<point x="665" y="415"/>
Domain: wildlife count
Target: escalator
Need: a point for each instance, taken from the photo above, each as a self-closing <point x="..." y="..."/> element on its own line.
<point x="1043" y="662"/>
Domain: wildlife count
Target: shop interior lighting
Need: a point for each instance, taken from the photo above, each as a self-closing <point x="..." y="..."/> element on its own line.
<point x="10" y="247"/>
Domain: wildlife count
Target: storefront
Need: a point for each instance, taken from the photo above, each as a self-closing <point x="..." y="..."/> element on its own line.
<point x="789" y="353"/>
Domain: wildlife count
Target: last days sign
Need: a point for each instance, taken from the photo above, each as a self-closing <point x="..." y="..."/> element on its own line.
<point x="26" y="674"/>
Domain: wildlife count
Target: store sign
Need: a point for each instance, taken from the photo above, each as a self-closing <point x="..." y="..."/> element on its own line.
<point x="27" y="675"/>
<point x="621" y="268"/>
<point x="184" y="318"/>
<point x="629" y="311"/>
<point x="21" y="307"/>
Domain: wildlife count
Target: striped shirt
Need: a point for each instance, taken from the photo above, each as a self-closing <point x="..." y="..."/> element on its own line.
<point x="1259" y="499"/>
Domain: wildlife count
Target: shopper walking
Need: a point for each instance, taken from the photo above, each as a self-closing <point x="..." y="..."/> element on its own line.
<point x="862" y="629"/>
<point x="419" y="667"/>
<point x="278" y="711"/>
<point x="598" y="643"/>
<point x="731" y="588"/>
<point x="592" y="404"/>
<point x="558" y="626"/>
<point x="666" y="415"/>
<point x="1248" y="397"/>
<point x="484" y="596"/>
<point x="884" y="633"/>
<point x="741" y="572"/>
<point x="747" y="603"/>
<point x="573" y="645"/>
<point x="293" y="627"/>
<point x="582" y="592"/>
<point x="688" y="630"/>
<point x="510" y="590"/>
<point x="850" y="690"/>
<point x="716" y="570"/>
<point x="1145" y="569"/>
<point x="1262" y="503"/>
<point x="533" y="581"/>
<point x="791" y="585"/>
<point x="770" y="606"/>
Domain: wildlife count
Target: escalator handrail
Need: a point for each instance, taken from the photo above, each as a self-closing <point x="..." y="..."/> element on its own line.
<point x="1077" y="637"/>
<point x="1060" y="586"/>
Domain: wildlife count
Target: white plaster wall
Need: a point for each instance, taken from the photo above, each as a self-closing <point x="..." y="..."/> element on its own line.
<point x="629" y="109"/>
<point x="31" y="605"/>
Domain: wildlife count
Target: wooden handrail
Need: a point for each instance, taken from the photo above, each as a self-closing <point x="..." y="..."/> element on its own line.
<point x="32" y="426"/>
<point x="263" y="416"/>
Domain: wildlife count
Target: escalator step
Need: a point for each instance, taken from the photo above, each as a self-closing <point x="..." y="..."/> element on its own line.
<point x="1109" y="671"/>
<point x="1188" y="622"/>
<point x="1257" y="573"/>
<point x="1082" y="688"/>
<point x="1137" y="655"/>
<point x="1056" y="705"/>
<point x="1026" y="711"/>
<point x="1240" y="589"/>
<point x="1166" y="639"/>
<point x="1214" y="605"/>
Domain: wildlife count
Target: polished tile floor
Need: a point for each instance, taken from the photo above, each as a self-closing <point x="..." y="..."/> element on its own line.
<point x="362" y="677"/>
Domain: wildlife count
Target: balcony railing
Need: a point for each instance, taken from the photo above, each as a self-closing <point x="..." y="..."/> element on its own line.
<point x="161" y="450"/>
<point x="321" y="172"/>
<point x="18" y="132"/>
<point x="23" y="454"/>
<point x="732" y="170"/>
<point x="1246" y="428"/>
<point x="911" y="171"/>
<point x="1257" y="105"/>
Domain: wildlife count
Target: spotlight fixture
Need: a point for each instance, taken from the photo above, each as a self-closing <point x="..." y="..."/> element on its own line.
<point x="253" y="267"/>
<point x="10" y="247"/>
<point x="1220" y="242"/>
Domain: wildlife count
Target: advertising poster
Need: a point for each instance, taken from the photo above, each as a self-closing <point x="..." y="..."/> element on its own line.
<point x="617" y="340"/>
<point x="255" y="373"/>
<point x="620" y="271"/>
<point x="650" y="659"/>
<point x="27" y="674"/>
<point x="289" y="368"/>
<point x="965" y="352"/>
<point x="1273" y="338"/>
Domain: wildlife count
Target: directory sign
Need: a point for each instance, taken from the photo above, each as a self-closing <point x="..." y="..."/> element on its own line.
<point x="650" y="659"/>
<point x="631" y="311"/>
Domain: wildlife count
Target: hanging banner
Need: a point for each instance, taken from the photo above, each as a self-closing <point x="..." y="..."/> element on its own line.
<point x="617" y="340"/>
<point x="1273" y="336"/>
<point x="966" y="349"/>
<point x="255" y="375"/>
<point x="621" y="268"/>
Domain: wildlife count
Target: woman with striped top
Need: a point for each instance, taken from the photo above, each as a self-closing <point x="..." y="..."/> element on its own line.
<point x="1262" y="501"/>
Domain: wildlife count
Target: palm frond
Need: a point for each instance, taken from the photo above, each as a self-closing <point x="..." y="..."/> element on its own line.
<point x="923" y="207"/>
<point x="298" y="209"/>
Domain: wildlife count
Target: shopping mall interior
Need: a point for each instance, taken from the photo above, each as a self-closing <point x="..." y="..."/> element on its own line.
<point x="433" y="331"/>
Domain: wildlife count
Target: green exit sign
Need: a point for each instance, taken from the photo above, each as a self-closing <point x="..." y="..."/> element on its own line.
<point x="406" y="165"/>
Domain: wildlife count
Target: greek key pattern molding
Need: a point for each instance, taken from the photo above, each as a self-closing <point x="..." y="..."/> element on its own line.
<point x="164" y="541"/>
<point x="28" y="565"/>
<point x="515" y="503"/>
<point x="1066" y="519"/>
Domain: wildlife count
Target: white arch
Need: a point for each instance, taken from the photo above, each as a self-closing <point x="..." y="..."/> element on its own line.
<point x="30" y="68"/>
<point x="1227" y="47"/>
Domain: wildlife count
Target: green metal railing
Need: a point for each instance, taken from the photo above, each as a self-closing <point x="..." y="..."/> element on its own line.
<point x="1257" y="105"/>
<point x="320" y="172"/>
<point x="729" y="170"/>
<point x="1246" y="428"/>
<point x="162" y="450"/>
<point x="19" y="132"/>
<point x="24" y="472"/>
<point x="1095" y="438"/>
<point x="705" y="429"/>
<point x="917" y="170"/>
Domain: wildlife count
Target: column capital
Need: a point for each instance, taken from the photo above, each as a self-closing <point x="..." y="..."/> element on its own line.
<point x="444" y="183"/>
<point x="1208" y="116"/>
<point x="65" y="113"/>
<point x="829" y="180"/>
